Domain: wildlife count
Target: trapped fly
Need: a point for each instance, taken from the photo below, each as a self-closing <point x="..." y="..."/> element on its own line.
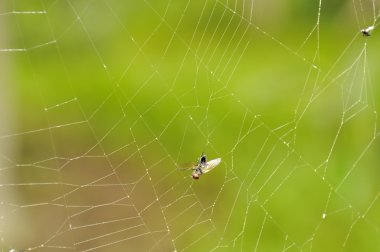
<point x="203" y="166"/>
<point x="367" y="32"/>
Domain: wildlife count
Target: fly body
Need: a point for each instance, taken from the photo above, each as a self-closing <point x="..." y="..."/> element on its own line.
<point x="202" y="166"/>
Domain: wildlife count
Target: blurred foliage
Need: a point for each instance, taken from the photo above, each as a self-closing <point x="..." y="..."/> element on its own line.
<point x="118" y="94"/>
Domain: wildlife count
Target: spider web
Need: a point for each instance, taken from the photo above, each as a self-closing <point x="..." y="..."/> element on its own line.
<point x="102" y="100"/>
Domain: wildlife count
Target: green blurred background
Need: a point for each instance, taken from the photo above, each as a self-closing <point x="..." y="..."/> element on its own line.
<point x="102" y="100"/>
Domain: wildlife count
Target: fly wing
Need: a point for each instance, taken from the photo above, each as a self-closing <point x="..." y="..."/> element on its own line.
<point x="187" y="166"/>
<point x="211" y="165"/>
